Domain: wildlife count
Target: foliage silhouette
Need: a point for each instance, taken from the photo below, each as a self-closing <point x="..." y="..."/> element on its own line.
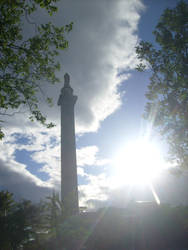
<point x="19" y="221"/>
<point x="26" y="64"/>
<point x="167" y="94"/>
<point x="44" y="226"/>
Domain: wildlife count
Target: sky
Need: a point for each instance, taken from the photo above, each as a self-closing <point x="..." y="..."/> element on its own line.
<point x="101" y="62"/>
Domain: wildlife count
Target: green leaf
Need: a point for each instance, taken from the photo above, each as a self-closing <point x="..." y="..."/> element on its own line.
<point x="32" y="62"/>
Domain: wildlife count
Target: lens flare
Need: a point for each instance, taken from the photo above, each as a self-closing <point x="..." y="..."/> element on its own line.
<point x="137" y="164"/>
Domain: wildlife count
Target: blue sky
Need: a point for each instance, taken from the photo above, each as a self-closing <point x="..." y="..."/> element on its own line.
<point x="111" y="97"/>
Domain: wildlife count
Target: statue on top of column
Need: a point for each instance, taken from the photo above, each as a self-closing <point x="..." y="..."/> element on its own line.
<point x="66" y="80"/>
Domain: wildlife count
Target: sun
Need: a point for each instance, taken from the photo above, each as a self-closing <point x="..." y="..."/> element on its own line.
<point x="138" y="163"/>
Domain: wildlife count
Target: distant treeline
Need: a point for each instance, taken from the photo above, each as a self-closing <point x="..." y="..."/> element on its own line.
<point x="47" y="226"/>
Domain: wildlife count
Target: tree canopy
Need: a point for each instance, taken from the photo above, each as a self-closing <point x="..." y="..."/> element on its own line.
<point x="167" y="95"/>
<point x="26" y="63"/>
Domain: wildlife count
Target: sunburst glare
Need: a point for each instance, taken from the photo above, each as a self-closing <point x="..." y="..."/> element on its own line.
<point x="137" y="163"/>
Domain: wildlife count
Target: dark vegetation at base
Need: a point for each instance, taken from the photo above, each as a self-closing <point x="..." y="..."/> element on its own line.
<point x="47" y="226"/>
<point x="141" y="227"/>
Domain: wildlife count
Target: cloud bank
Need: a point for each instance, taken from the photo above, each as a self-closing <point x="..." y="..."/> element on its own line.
<point x="102" y="46"/>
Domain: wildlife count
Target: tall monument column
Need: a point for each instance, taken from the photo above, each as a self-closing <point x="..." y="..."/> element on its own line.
<point x="69" y="186"/>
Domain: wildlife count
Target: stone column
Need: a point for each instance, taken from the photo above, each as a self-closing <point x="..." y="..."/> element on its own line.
<point x="69" y="186"/>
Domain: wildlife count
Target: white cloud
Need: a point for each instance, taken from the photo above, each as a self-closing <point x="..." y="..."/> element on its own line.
<point x="102" y="42"/>
<point x="96" y="189"/>
<point x="87" y="156"/>
<point x="80" y="172"/>
<point x="101" y="45"/>
<point x="99" y="190"/>
<point x="16" y="178"/>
